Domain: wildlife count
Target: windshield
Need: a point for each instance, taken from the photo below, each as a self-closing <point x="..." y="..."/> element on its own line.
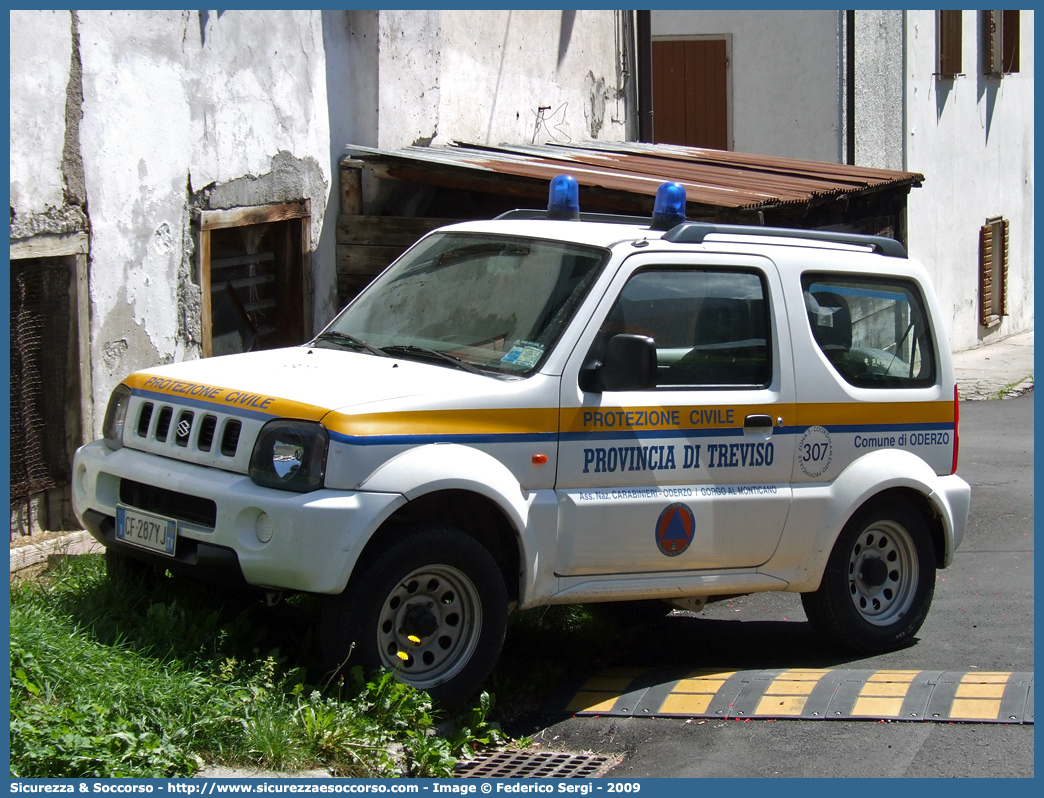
<point x="467" y="300"/>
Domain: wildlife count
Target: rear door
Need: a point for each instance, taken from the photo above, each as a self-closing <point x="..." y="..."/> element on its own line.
<point x="692" y="474"/>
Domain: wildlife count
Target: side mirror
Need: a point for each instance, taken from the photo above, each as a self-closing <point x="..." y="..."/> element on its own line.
<point x="629" y="365"/>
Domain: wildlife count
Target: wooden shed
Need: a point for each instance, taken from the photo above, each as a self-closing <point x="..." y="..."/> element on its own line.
<point x="416" y="189"/>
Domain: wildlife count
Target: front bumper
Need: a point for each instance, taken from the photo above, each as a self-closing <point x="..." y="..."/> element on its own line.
<point x="316" y="537"/>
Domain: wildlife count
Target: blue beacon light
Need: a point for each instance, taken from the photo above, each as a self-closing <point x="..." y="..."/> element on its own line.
<point x="669" y="208"/>
<point x="563" y="198"/>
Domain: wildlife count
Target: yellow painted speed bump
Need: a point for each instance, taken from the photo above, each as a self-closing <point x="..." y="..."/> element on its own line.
<point x="788" y="693"/>
<point x="979" y="696"/>
<point x="693" y="694"/>
<point x="811" y="694"/>
<point x="883" y="694"/>
<point x="600" y="693"/>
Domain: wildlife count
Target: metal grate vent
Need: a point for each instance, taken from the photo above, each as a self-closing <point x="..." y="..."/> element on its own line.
<point x="535" y="764"/>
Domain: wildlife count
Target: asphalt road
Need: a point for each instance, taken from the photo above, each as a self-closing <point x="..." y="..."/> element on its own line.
<point x="981" y="619"/>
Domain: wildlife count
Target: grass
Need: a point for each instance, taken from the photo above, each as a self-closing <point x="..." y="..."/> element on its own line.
<point x="1011" y="387"/>
<point x="116" y="680"/>
<point x="111" y="680"/>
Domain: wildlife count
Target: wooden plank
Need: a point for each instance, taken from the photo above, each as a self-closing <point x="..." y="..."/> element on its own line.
<point x="389" y="231"/>
<point x="351" y="187"/>
<point x="308" y="326"/>
<point x="364" y="260"/>
<point x="83" y="335"/>
<point x="50" y="246"/>
<point x="206" y="317"/>
<point x="242" y="260"/>
<point x="261" y="214"/>
<point x="348" y="286"/>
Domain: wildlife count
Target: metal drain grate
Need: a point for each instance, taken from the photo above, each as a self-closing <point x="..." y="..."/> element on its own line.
<point x="534" y="764"/>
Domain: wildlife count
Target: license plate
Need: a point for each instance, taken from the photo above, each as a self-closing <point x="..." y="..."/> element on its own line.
<point x="147" y="531"/>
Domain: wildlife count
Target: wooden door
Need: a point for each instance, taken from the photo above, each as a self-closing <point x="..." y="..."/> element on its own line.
<point x="690" y="102"/>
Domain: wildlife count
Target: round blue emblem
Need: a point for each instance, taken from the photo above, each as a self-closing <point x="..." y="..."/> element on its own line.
<point x="674" y="530"/>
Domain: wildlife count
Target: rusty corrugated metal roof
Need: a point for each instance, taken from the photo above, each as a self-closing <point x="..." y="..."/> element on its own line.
<point x="712" y="178"/>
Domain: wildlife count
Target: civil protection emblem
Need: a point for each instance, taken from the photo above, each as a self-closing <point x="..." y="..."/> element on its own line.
<point x="675" y="529"/>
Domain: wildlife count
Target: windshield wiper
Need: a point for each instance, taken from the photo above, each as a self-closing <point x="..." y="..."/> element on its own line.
<point x="409" y="349"/>
<point x="334" y="335"/>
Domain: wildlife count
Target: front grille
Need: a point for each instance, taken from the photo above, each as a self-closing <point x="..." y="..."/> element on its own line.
<point x="144" y="418"/>
<point x="169" y="503"/>
<point x="230" y="438"/>
<point x="184" y="428"/>
<point x="206" y="433"/>
<point x="163" y="423"/>
<point x="172" y="430"/>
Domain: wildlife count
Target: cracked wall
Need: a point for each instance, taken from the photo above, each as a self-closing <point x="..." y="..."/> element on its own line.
<point x="127" y="123"/>
<point x="47" y="193"/>
<point x="529" y="76"/>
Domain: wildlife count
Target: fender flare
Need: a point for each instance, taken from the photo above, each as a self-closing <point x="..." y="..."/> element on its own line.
<point x="820" y="511"/>
<point x="451" y="466"/>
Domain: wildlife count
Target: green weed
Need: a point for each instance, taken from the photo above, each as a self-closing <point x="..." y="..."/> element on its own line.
<point x="111" y="680"/>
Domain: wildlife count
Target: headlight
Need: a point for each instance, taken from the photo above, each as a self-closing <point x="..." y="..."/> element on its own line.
<point x="290" y="455"/>
<point x="115" y="416"/>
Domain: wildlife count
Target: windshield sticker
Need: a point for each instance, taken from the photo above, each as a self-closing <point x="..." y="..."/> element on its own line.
<point x="524" y="353"/>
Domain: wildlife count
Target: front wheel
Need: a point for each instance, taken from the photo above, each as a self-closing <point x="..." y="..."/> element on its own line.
<point x="432" y="608"/>
<point x="879" y="581"/>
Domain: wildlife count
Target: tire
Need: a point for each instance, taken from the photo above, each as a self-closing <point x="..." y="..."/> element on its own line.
<point x="126" y="571"/>
<point x="879" y="581"/>
<point x="432" y="608"/>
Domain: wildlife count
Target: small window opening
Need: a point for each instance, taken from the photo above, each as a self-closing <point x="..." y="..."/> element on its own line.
<point x="256" y="278"/>
<point x="45" y="392"/>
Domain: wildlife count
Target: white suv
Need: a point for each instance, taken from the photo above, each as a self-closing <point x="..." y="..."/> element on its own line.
<point x="532" y="411"/>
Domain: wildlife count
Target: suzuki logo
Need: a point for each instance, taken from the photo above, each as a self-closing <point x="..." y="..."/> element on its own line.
<point x="183" y="428"/>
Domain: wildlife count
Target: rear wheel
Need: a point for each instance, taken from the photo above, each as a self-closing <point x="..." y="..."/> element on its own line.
<point x="879" y="581"/>
<point x="432" y="608"/>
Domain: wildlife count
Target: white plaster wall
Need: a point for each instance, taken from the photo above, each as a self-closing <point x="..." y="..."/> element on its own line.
<point x="175" y="101"/>
<point x="409" y="72"/>
<point x="41" y="47"/>
<point x="500" y="68"/>
<point x="879" y="87"/>
<point x="972" y="138"/>
<point x="785" y="77"/>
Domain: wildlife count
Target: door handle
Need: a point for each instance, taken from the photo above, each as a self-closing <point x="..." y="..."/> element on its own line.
<point x="758" y="422"/>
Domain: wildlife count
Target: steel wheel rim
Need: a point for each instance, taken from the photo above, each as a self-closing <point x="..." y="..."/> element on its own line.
<point x="883" y="573"/>
<point x="439" y="595"/>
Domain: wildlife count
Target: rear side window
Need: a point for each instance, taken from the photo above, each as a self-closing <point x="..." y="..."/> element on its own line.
<point x="874" y="331"/>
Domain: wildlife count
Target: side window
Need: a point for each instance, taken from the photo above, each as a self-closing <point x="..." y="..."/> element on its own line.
<point x="873" y="330"/>
<point x="710" y="327"/>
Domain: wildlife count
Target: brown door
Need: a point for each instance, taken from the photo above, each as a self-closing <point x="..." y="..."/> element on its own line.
<point x="690" y="105"/>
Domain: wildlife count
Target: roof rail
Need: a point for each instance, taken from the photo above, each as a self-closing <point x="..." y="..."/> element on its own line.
<point x="608" y="218"/>
<point x="696" y="232"/>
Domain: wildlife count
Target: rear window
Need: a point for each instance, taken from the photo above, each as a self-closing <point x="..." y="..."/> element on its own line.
<point x="874" y="331"/>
